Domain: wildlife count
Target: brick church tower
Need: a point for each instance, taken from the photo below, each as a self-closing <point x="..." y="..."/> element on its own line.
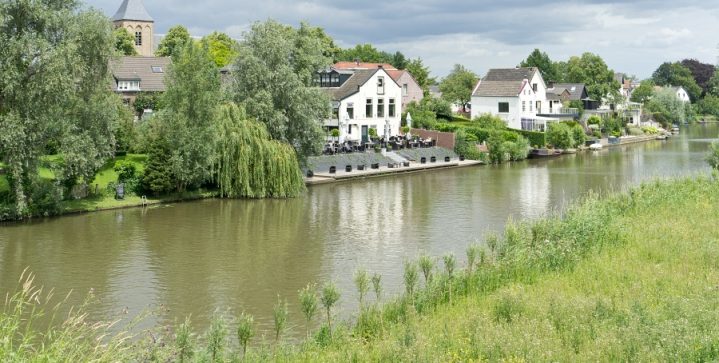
<point x="133" y="16"/>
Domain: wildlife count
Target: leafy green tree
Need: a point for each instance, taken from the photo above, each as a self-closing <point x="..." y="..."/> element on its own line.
<point x="221" y="47"/>
<point x="675" y="74"/>
<point x="666" y="104"/>
<point x="54" y="68"/>
<point x="156" y="177"/>
<point x="644" y="92"/>
<point x="249" y="163"/>
<point x="420" y="72"/>
<point x="591" y="70"/>
<point x="273" y="81"/>
<point x="124" y="42"/>
<point x="311" y="46"/>
<point x="712" y="156"/>
<point x="490" y="122"/>
<point x="174" y="41"/>
<point x="457" y="86"/>
<point x="365" y="53"/>
<point x="191" y="101"/>
<point x="422" y="116"/>
<point x="541" y="60"/>
<point x="399" y="60"/>
<point x="709" y="105"/>
<point x="713" y="85"/>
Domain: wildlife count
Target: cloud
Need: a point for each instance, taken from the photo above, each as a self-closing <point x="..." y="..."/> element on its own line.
<point x="633" y="37"/>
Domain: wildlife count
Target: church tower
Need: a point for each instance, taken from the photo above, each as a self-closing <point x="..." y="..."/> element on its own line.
<point x="133" y="16"/>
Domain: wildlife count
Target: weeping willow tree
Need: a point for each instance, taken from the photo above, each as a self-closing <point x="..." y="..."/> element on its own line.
<point x="249" y="163"/>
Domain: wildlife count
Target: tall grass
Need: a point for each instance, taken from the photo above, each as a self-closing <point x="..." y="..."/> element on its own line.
<point x="627" y="277"/>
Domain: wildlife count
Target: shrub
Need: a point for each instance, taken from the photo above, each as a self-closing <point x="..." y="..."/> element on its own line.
<point x="578" y="135"/>
<point x="45" y="198"/>
<point x="125" y="170"/>
<point x="536" y="138"/>
<point x="489" y="121"/>
<point x="650" y="130"/>
<point x="495" y="144"/>
<point x="635" y="131"/>
<point x="713" y="157"/>
<point x="517" y="150"/>
<point x="594" y="120"/>
<point x="335" y="133"/>
<point x="466" y="145"/>
<point x="559" y="135"/>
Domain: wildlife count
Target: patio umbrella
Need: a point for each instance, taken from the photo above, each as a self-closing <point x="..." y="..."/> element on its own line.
<point x="409" y="124"/>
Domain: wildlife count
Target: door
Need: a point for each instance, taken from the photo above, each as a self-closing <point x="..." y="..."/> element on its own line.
<point x="365" y="134"/>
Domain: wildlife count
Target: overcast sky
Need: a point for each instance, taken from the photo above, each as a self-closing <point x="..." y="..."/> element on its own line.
<point x="631" y="37"/>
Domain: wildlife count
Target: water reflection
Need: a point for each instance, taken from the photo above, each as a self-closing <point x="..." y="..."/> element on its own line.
<point x="193" y="258"/>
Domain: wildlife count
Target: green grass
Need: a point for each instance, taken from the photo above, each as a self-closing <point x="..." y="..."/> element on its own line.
<point x="629" y="277"/>
<point x="107" y="173"/>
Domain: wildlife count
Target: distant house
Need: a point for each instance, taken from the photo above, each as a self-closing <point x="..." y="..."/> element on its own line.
<point x="411" y="91"/>
<point x="560" y="93"/>
<point x="681" y="93"/>
<point x="132" y="75"/>
<point x="362" y="99"/>
<point x="519" y="97"/>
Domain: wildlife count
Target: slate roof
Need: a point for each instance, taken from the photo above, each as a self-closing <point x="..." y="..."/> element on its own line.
<point x="140" y="68"/>
<point x="503" y="82"/>
<point x="575" y="90"/>
<point x="132" y="10"/>
<point x="352" y="85"/>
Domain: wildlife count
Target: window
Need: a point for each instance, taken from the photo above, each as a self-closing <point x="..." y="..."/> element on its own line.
<point x="325" y="79"/>
<point x="503" y="107"/>
<point x="404" y="89"/>
<point x="128" y="85"/>
<point x="530" y="106"/>
<point x="156" y="69"/>
<point x="368" y="108"/>
<point x="391" y="110"/>
<point x="524" y="106"/>
<point x="349" y="129"/>
<point x="380" y="85"/>
<point x="335" y="112"/>
<point x="138" y="38"/>
<point x="534" y="87"/>
<point x="351" y="110"/>
<point x="335" y="79"/>
<point x="380" y="107"/>
<point x="539" y="106"/>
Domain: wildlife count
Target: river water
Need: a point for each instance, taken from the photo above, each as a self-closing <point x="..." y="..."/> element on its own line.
<point x="192" y="258"/>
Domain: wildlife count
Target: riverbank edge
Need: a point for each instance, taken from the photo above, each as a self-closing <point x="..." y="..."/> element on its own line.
<point x="515" y="264"/>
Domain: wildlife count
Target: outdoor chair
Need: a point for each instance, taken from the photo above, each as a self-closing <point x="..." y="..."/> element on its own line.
<point x="432" y="159"/>
<point x="333" y="169"/>
<point x="310" y="173"/>
<point x="348" y="168"/>
<point x="423" y="160"/>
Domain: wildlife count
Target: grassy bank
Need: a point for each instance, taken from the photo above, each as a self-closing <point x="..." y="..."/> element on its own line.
<point x="627" y="277"/>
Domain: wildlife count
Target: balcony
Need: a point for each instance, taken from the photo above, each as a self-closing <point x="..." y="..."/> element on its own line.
<point x="561" y="112"/>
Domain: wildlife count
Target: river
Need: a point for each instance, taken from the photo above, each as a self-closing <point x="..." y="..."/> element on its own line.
<point x="193" y="258"/>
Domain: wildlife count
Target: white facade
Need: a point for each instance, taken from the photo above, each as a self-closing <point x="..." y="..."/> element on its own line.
<point x="682" y="94"/>
<point x="377" y="104"/>
<point x="530" y="101"/>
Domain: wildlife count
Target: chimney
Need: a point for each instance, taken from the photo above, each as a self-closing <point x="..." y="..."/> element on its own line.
<point x="380" y="66"/>
<point x="357" y="61"/>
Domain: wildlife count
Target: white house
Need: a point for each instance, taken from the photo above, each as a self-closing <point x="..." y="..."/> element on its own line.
<point x="681" y="93"/>
<point x="362" y="99"/>
<point x="519" y="97"/>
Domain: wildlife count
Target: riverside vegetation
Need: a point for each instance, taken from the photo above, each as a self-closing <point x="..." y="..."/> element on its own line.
<point x="628" y="276"/>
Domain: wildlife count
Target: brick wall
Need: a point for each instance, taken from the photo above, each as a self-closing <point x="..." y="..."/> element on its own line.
<point x="444" y="139"/>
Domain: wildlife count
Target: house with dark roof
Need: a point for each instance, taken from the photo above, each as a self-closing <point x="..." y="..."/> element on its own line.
<point x="411" y="91"/>
<point x="519" y="97"/>
<point x="362" y="99"/>
<point x="559" y="94"/>
<point x="132" y="75"/>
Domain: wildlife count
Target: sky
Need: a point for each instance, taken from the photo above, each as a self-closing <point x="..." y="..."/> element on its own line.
<point x="633" y="37"/>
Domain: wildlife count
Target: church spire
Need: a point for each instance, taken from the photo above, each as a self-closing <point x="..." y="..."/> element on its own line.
<point x="132" y="10"/>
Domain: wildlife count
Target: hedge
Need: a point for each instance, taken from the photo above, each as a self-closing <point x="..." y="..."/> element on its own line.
<point x="535" y="138"/>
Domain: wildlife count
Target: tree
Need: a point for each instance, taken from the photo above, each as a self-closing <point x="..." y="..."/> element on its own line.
<point x="53" y="87"/>
<point x="701" y="72"/>
<point x="365" y="53"/>
<point x="457" y="86"/>
<point x="191" y="101"/>
<point x="709" y="105"/>
<point x="420" y="72"/>
<point x="329" y="298"/>
<point x="591" y="70"/>
<point x="174" y="41"/>
<point x="272" y="81"/>
<point x="221" y="47"/>
<point x="399" y="61"/>
<point x="124" y="42"/>
<point x="249" y="163"/>
<point x="675" y="74"/>
<point x="713" y="85"/>
<point x="644" y="92"/>
<point x="541" y="60"/>
<point x="666" y="104"/>
<point x="559" y="134"/>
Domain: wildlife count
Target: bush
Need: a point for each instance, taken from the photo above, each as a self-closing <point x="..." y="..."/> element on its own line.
<point x="519" y="149"/>
<point x="466" y="145"/>
<point x="635" y="131"/>
<point x="489" y="121"/>
<point x="594" y="120"/>
<point x="536" y="138"/>
<point x="496" y="146"/>
<point x="559" y="135"/>
<point x="157" y="177"/>
<point x="125" y="170"/>
<point x="578" y="135"/>
<point x="650" y="130"/>
<point x="45" y="198"/>
<point x="713" y="157"/>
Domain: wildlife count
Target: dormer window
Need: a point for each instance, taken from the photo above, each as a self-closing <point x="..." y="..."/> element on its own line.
<point x="128" y="85"/>
<point x="380" y="85"/>
<point x="335" y="80"/>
